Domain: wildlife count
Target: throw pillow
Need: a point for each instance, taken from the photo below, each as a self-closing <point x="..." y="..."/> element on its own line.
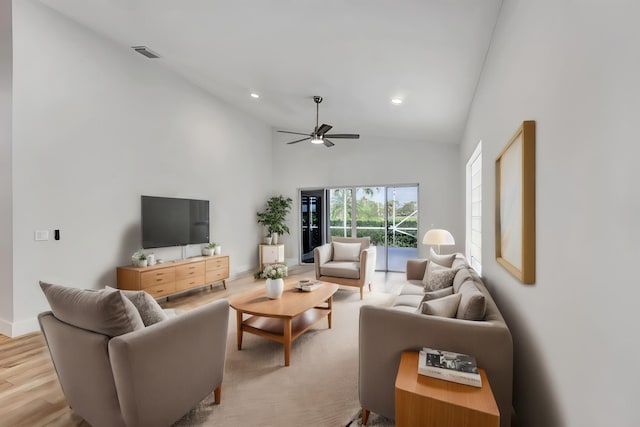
<point x="431" y="295"/>
<point x="150" y="311"/>
<point x="346" y="251"/>
<point x="443" y="307"/>
<point x="438" y="277"/>
<point x="107" y="313"/>
<point x="445" y="260"/>
<point x="473" y="305"/>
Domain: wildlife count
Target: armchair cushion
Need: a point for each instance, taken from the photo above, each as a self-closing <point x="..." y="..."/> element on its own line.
<point x="347" y="270"/>
<point x="105" y="312"/>
<point x="346" y="251"/>
<point x="149" y="310"/>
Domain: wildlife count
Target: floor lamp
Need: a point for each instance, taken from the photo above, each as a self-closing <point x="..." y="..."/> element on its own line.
<point x="438" y="237"/>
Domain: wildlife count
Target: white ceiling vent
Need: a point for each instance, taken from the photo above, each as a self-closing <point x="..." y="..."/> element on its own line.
<point x="143" y="50"/>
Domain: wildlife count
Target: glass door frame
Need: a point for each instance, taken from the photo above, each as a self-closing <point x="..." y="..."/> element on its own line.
<point x="354" y="225"/>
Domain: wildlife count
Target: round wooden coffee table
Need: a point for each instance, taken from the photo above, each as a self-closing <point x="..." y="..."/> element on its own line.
<point x="285" y="319"/>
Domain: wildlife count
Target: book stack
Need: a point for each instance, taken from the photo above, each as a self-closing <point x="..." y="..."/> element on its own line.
<point x="307" y="286"/>
<point x="449" y="366"/>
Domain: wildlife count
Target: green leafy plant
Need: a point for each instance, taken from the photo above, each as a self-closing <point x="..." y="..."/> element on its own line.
<point x="142" y="256"/>
<point x="275" y="214"/>
<point x="212" y="245"/>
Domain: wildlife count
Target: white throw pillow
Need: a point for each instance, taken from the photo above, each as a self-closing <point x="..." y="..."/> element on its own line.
<point x="437" y="277"/>
<point x="445" y="260"/>
<point x="346" y="251"/>
<point x="443" y="307"/>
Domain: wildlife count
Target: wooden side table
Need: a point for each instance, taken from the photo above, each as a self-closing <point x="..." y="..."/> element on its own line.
<point x="430" y="402"/>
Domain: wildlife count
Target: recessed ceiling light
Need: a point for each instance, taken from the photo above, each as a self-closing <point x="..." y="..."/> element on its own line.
<point x="255" y="95"/>
<point x="396" y="101"/>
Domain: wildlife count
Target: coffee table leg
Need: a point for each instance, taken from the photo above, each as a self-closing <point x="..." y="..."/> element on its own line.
<point x="329" y="304"/>
<point x="239" y="328"/>
<point x="287" y="342"/>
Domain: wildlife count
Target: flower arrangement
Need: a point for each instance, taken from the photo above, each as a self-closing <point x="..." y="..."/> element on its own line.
<point x="275" y="271"/>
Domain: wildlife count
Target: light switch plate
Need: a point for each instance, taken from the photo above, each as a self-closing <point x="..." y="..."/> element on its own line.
<point x="41" y="235"/>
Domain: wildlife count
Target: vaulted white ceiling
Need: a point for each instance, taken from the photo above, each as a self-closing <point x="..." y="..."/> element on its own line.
<point x="356" y="54"/>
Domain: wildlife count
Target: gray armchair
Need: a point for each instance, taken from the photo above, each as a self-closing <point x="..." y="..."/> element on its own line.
<point x="148" y="377"/>
<point x="349" y="261"/>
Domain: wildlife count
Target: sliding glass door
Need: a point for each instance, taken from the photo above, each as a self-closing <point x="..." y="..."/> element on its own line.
<point x="387" y="214"/>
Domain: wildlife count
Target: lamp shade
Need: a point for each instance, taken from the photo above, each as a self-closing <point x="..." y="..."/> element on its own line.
<point x="437" y="236"/>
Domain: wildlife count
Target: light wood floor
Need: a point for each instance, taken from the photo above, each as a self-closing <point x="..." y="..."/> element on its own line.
<point x="29" y="391"/>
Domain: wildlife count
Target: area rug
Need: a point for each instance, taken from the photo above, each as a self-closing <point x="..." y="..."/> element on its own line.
<point x="319" y="388"/>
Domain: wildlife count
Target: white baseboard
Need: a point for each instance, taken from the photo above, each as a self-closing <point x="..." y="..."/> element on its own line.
<point x="16" y="329"/>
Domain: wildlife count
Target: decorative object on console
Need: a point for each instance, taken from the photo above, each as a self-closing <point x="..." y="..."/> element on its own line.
<point x="275" y="273"/>
<point x="274" y="216"/>
<point x="516" y="204"/>
<point x="438" y="237"/>
<point x="209" y="250"/>
<point x="142" y="260"/>
<point x="217" y="249"/>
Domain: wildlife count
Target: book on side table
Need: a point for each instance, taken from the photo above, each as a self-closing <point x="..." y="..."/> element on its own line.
<point x="449" y="366"/>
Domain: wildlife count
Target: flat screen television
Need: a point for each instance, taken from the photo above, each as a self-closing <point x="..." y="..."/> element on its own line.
<point x="170" y="221"/>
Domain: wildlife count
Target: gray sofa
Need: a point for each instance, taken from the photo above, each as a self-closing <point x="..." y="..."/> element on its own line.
<point x="385" y="332"/>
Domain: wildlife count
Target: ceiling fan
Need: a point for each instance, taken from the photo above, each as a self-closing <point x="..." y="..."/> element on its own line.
<point x="319" y="134"/>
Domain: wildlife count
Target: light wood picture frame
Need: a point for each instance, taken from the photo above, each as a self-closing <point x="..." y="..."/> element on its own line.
<point x="515" y="214"/>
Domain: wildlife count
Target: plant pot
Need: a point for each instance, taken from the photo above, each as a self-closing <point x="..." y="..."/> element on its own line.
<point x="142" y="263"/>
<point x="274" y="238"/>
<point x="207" y="251"/>
<point x="274" y="287"/>
<point x="267" y="240"/>
<point x="217" y="250"/>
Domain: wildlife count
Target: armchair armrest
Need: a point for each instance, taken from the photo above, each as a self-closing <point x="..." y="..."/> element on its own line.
<point x="321" y="255"/>
<point x="160" y="371"/>
<point x="416" y="268"/>
<point x="367" y="264"/>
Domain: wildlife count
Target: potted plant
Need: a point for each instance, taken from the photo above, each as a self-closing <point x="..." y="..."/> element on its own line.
<point x="275" y="215"/>
<point x="275" y="274"/>
<point x="209" y="249"/>
<point x="142" y="260"/>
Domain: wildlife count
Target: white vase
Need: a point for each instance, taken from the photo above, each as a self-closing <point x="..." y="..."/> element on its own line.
<point x="207" y="251"/>
<point x="217" y="250"/>
<point x="274" y="238"/>
<point x="267" y="240"/>
<point x="142" y="263"/>
<point x="274" y="287"/>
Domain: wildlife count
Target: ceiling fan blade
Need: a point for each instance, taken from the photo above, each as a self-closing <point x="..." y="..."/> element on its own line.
<point x="294" y="133"/>
<point x="324" y="129"/>
<point x="298" y="140"/>
<point x="344" y="135"/>
<point x="328" y="143"/>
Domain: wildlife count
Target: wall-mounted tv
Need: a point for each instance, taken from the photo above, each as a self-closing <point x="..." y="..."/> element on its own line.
<point x="170" y="221"/>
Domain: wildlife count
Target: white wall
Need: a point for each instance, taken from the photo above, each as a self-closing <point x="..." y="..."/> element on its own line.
<point x="6" y="253"/>
<point x="95" y="126"/>
<point x="374" y="161"/>
<point x="572" y="67"/>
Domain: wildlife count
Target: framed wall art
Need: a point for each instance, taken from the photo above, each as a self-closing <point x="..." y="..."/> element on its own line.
<point x="516" y="204"/>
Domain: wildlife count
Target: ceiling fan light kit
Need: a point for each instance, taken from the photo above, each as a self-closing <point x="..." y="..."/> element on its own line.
<point x="319" y="134"/>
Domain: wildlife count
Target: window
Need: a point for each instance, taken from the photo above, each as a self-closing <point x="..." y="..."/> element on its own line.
<point x="474" y="209"/>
